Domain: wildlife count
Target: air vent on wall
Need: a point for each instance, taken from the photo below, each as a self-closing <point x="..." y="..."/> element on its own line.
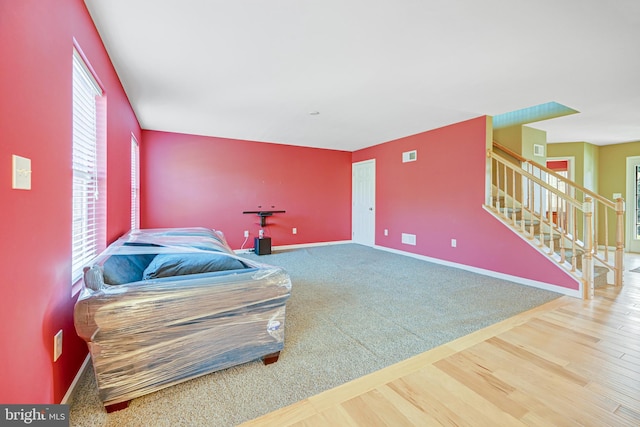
<point x="409" y="239"/>
<point x="538" y="150"/>
<point x="409" y="156"/>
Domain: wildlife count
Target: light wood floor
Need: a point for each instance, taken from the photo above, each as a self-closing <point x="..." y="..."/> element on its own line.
<point x="567" y="363"/>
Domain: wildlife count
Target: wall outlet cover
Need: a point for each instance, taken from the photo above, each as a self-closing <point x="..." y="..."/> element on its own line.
<point x="57" y="345"/>
<point x="21" y="173"/>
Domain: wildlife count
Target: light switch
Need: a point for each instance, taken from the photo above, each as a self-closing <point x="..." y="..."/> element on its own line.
<point x="617" y="196"/>
<point x="21" y="173"/>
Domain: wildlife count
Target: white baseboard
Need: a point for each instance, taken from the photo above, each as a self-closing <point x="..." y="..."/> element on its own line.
<point x="73" y="385"/>
<point x="303" y="245"/>
<point x="520" y="280"/>
<point x="577" y="293"/>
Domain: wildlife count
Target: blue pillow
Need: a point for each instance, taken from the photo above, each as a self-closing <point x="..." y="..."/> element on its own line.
<point x="167" y="265"/>
<point x="120" y="269"/>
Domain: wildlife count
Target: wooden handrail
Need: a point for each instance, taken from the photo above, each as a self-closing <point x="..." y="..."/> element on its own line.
<point x="577" y="221"/>
<point x="510" y="152"/>
<point x="588" y="192"/>
<point x="546" y="185"/>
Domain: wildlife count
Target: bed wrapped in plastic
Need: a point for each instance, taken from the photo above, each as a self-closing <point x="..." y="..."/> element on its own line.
<point x="161" y="306"/>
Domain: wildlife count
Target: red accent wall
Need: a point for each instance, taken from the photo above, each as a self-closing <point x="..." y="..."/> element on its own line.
<point x="558" y="165"/>
<point x="439" y="197"/>
<point x="35" y="226"/>
<point x="190" y="180"/>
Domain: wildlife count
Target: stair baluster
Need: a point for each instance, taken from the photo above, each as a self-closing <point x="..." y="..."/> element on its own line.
<point x="574" y="235"/>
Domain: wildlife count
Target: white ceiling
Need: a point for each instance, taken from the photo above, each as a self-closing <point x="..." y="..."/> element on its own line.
<point x="375" y="70"/>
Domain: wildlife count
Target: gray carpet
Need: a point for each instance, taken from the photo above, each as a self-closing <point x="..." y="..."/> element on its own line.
<point x="353" y="310"/>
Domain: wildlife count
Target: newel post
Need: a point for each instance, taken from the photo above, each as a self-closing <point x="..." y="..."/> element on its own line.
<point x="587" y="263"/>
<point x="619" y="258"/>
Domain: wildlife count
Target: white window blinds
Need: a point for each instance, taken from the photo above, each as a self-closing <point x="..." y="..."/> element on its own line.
<point x="89" y="208"/>
<point x="135" y="184"/>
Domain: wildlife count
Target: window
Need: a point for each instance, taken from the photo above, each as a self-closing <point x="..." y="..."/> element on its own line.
<point x="135" y="184"/>
<point x="89" y="169"/>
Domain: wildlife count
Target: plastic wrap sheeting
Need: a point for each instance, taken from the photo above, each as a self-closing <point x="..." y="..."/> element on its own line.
<point x="149" y="334"/>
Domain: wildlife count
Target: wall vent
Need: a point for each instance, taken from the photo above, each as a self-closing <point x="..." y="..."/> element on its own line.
<point x="409" y="239"/>
<point x="538" y="150"/>
<point x="409" y="156"/>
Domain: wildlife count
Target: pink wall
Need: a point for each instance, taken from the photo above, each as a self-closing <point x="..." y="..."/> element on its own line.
<point x="439" y="197"/>
<point x="190" y="180"/>
<point x="35" y="226"/>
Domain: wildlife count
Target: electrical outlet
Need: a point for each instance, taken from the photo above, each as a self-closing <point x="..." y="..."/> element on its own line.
<point x="21" y="173"/>
<point x="386" y="232"/>
<point x="246" y="233"/>
<point x="454" y="242"/>
<point x="295" y="230"/>
<point x="57" y="345"/>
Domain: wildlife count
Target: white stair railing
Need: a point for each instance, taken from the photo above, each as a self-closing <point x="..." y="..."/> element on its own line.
<point x="583" y="226"/>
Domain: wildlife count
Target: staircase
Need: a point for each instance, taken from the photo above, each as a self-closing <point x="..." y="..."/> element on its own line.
<point x="584" y="233"/>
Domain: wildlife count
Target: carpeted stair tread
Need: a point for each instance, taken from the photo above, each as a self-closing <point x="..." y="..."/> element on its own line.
<point x="510" y="212"/>
<point x="548" y="236"/>
<point x="528" y="223"/>
<point x="568" y="253"/>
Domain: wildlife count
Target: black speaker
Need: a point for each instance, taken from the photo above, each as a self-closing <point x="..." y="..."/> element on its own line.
<point x="262" y="245"/>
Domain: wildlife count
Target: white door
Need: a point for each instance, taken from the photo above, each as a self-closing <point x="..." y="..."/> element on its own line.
<point x="632" y="204"/>
<point x="363" y="202"/>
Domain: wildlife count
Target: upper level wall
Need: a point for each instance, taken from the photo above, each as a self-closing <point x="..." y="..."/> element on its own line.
<point x="612" y="167"/>
<point x="591" y="167"/>
<point x="600" y="168"/>
<point x="530" y="138"/>
<point x="584" y="173"/>
<point x="521" y="140"/>
<point x="612" y="171"/>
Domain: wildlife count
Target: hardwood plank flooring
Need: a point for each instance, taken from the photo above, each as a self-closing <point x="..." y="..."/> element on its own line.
<point x="566" y="363"/>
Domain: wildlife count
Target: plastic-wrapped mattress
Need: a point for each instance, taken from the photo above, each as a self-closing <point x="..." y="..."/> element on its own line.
<point x="162" y="306"/>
